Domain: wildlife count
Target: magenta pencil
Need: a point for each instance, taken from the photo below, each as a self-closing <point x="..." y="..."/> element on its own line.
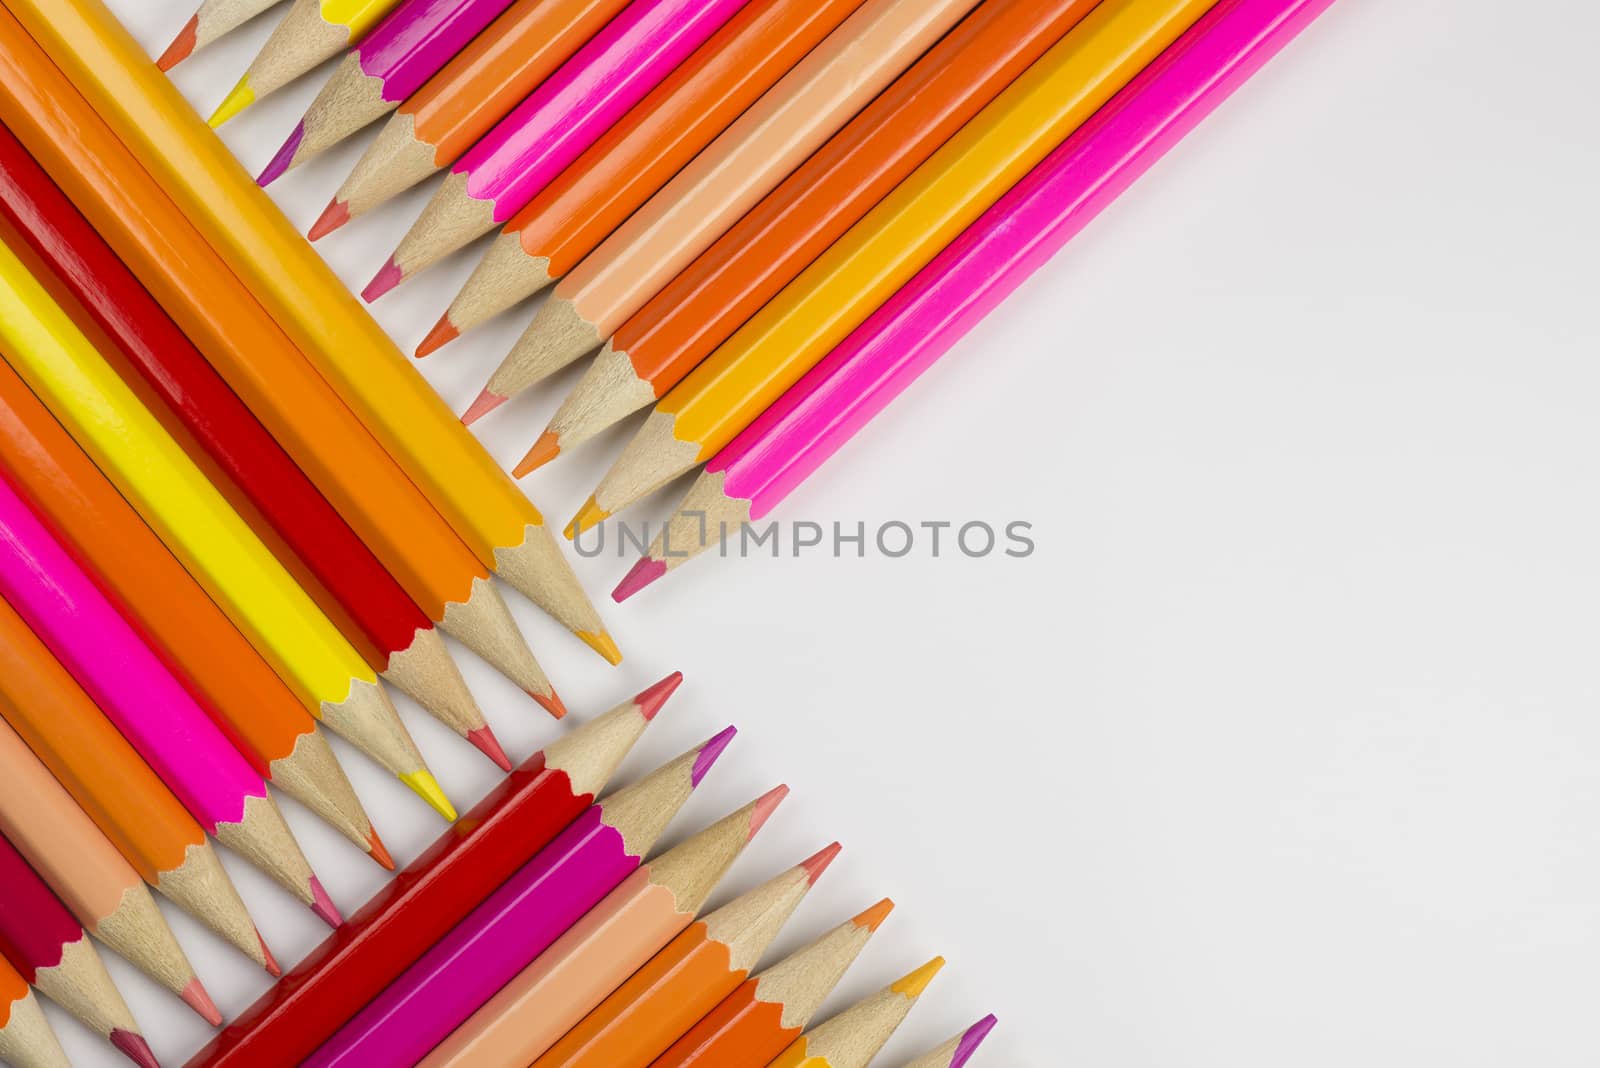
<point x="959" y="1050"/>
<point x="518" y="921"/>
<point x="550" y="129"/>
<point x="969" y="279"/>
<point x="410" y="45"/>
<point x="150" y="708"/>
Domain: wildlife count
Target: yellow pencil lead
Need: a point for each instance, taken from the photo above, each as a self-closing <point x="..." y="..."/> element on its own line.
<point x="241" y="97"/>
<point x="427" y="788"/>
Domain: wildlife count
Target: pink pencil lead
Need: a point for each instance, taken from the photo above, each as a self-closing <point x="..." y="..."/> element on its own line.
<point x="766" y="805"/>
<point x="387" y="278"/>
<point x="642" y="574"/>
<point x="323" y="905"/>
<point x="487" y="402"/>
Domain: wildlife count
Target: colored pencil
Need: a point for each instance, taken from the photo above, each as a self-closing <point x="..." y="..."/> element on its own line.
<point x="465" y="99"/>
<point x="959" y="1050"/>
<point x="261" y="365"/>
<point x="594" y="957"/>
<point x="854" y="1037"/>
<point x="767" y="1012"/>
<point x="807" y="212"/>
<point x="640" y="154"/>
<point x="115" y="788"/>
<point x="214" y="19"/>
<point x="968" y="280"/>
<point x="302" y="293"/>
<point x="217" y="547"/>
<point x="890" y="244"/>
<point x="407" y="48"/>
<point x="43" y="942"/>
<point x="550" y="129"/>
<point x="94" y="881"/>
<point x="521" y="816"/>
<point x="150" y="353"/>
<point x="312" y="31"/>
<point x="779" y="131"/>
<point x="520" y="920"/>
<point x="26" y="1039"/>
<point x="686" y="978"/>
<point x="149" y="707"/>
<point x="223" y="673"/>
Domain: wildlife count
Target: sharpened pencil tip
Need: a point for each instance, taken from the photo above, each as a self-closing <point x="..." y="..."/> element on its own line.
<point x="379" y="852"/>
<point x="239" y="98"/>
<point x="387" y="278"/>
<point x="766" y="805"/>
<point x="427" y="788"/>
<point x="817" y="864"/>
<point x="640" y="575"/>
<point x="873" y="918"/>
<point x="135" y="1047"/>
<point x="487" y="402"/>
<point x="551" y="702"/>
<point x="972" y="1039"/>
<point x="335" y="215"/>
<point x="707" y="757"/>
<point x="280" y="163"/>
<point x="323" y="905"/>
<point x="914" y="984"/>
<point x="650" y="700"/>
<point x="547" y="448"/>
<point x="195" y="996"/>
<point x="603" y="643"/>
<point x="590" y="515"/>
<point x="182" y="46"/>
<point x="443" y="332"/>
<point x="490" y="746"/>
<point x="271" y="962"/>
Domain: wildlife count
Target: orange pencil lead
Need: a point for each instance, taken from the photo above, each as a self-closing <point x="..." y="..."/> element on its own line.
<point x="335" y="215"/>
<point x="551" y="703"/>
<point x="443" y="332"/>
<point x="182" y="46"/>
<point x="547" y="448"/>
<point x="379" y="852"/>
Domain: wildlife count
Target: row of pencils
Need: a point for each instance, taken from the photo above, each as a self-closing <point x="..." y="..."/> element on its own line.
<point x="768" y="216"/>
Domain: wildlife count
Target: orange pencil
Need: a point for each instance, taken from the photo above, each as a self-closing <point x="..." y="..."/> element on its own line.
<point x="26" y="1039"/>
<point x="221" y="670"/>
<point x="116" y="789"/>
<point x="94" y="881"/>
<point x="247" y="348"/>
<point x="764" y="251"/>
<point x="458" y="105"/>
<point x="638" y="155"/>
<point x="759" y="1020"/>
<point x="687" y="978"/>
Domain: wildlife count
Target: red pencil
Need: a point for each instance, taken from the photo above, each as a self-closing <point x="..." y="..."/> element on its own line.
<point x="391" y="932"/>
<point x="43" y="942"/>
<point x="307" y="535"/>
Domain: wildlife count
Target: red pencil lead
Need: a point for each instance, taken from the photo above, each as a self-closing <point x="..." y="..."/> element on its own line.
<point x="135" y="1047"/>
<point x="335" y="215"/>
<point x="651" y="699"/>
<point x="818" y="864"/>
<point x="485" y="740"/>
<point x="271" y="962"/>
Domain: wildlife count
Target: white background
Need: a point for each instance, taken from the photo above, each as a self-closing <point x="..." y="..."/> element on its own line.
<point x="1282" y="748"/>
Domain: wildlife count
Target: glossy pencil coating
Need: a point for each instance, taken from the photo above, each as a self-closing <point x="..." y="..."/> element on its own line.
<point x="246" y="347"/>
<point x="892" y="242"/>
<point x="789" y="122"/>
<point x="517" y="922"/>
<point x="194" y="520"/>
<point x="546" y="132"/>
<point x="116" y="789"/>
<point x="855" y="1036"/>
<point x="807" y="212"/>
<point x="970" y="278"/>
<point x="637" y="156"/>
<point x="44" y="942"/>
<point x="312" y="306"/>
<point x="765" y="1014"/>
<point x="312" y="31"/>
<point x="26" y="1040"/>
<point x="404" y="50"/>
<point x="461" y="103"/>
<point x="87" y="874"/>
<point x="425" y="901"/>
<point x="959" y="1050"/>
<point x="686" y="979"/>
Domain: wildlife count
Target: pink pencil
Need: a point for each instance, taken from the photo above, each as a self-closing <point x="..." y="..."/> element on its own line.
<point x="982" y="267"/>
<point x="410" y="45"/>
<point x="518" y="921"/>
<point x="550" y="129"/>
<point x="148" y="706"/>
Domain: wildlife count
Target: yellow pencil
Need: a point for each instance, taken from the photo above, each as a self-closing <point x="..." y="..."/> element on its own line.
<point x="307" y="299"/>
<point x="854" y="1037"/>
<point x="312" y="31"/>
<point x="240" y="573"/>
<point x="890" y="244"/>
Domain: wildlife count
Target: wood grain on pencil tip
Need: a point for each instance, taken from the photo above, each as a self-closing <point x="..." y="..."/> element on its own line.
<point x="855" y="1036"/>
<point x="26" y="1038"/>
<point x="958" y="1050"/>
<point x="214" y="19"/>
